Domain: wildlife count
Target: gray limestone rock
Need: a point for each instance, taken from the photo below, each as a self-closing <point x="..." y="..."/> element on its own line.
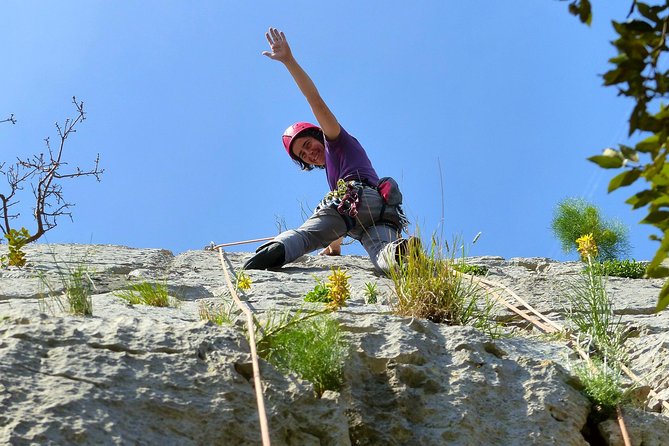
<point x="134" y="374"/>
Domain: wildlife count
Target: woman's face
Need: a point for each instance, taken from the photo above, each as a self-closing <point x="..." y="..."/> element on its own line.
<point x="310" y="150"/>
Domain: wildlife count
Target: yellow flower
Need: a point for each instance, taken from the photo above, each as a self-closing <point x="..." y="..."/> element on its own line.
<point x="243" y="281"/>
<point x="339" y="288"/>
<point x="587" y="246"/>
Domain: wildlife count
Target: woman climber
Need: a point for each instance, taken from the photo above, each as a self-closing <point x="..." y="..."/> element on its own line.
<point x="358" y="205"/>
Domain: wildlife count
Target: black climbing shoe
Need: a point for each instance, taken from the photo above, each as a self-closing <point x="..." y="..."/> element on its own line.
<point x="268" y="256"/>
<point x="407" y="247"/>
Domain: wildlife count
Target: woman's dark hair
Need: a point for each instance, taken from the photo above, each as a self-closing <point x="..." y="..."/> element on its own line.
<point x="315" y="133"/>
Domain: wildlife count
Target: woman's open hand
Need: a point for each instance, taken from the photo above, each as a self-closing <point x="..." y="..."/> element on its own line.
<point x="279" y="46"/>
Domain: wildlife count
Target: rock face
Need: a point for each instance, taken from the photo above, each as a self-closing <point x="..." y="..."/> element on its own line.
<point x="146" y="375"/>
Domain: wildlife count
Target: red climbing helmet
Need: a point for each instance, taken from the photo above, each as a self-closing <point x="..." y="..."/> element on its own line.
<point x="294" y="131"/>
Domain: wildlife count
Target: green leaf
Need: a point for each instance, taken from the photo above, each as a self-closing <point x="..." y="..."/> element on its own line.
<point x="629" y="153"/>
<point x="642" y="198"/>
<point x="661" y="253"/>
<point x="656" y="217"/>
<point x="650" y="144"/>
<point x="624" y="179"/>
<point x="656" y="273"/>
<point x="607" y="162"/>
<point x="638" y="26"/>
<point x="663" y="298"/>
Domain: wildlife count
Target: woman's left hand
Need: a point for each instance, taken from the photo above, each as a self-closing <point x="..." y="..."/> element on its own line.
<point x="279" y="46"/>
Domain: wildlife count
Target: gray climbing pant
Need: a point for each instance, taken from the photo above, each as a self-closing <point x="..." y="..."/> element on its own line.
<point x="326" y="225"/>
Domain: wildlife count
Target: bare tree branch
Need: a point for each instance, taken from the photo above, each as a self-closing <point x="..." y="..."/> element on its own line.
<point x="43" y="172"/>
<point x="11" y="119"/>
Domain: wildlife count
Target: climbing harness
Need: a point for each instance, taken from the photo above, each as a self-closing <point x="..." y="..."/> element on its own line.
<point x="346" y="200"/>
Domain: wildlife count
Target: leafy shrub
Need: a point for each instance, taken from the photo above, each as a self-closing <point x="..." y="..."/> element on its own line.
<point x="147" y="293"/>
<point x="620" y="268"/>
<point x="603" y="387"/>
<point x="310" y="345"/>
<point x="575" y="217"/>
<point x="15" y="241"/>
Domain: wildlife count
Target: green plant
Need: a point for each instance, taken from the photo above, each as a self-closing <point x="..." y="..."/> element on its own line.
<point x="428" y="286"/>
<point x="602" y="385"/>
<point x="575" y="217"/>
<point x="334" y="292"/>
<point x="371" y="293"/>
<point x="309" y="344"/>
<point x="77" y="290"/>
<point x="147" y="293"/>
<point x="639" y="73"/>
<point x="590" y="312"/>
<point x="620" y="268"/>
<point x="339" y="288"/>
<point x="474" y="270"/>
<point x="15" y="241"/>
<point x="320" y="293"/>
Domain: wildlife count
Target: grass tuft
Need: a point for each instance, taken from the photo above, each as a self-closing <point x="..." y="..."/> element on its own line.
<point x="147" y="293"/>
<point x="222" y="314"/>
<point x="429" y="286"/>
<point x="76" y="295"/>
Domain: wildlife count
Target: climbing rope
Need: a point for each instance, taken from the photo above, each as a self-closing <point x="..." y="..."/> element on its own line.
<point x="213" y="247"/>
<point x="262" y="415"/>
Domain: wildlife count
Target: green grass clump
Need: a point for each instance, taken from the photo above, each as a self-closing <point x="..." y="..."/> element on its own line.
<point x="217" y="314"/>
<point x="575" y="217"/>
<point x="310" y="345"/>
<point x="75" y="297"/>
<point x="620" y="268"/>
<point x="78" y="290"/>
<point x="428" y="286"/>
<point x="147" y="293"/>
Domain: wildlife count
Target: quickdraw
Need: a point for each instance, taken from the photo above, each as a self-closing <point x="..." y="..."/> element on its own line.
<point x="346" y="198"/>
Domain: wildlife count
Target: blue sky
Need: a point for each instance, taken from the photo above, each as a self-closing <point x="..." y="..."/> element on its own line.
<point x="499" y="101"/>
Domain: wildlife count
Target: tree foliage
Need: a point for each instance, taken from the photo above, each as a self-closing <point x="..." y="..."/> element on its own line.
<point x="639" y="72"/>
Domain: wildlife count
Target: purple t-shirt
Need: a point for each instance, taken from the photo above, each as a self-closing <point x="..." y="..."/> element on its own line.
<point x="345" y="159"/>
